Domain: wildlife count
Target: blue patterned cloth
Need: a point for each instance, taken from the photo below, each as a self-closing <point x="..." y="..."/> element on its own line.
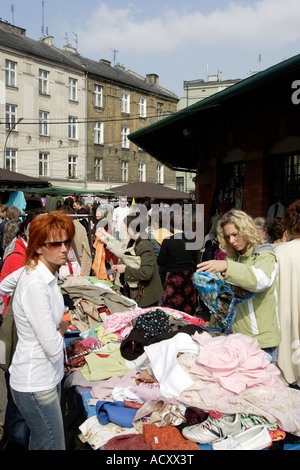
<point x="220" y="297"/>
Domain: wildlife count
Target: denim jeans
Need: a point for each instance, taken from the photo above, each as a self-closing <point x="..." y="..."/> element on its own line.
<point x="15" y="423"/>
<point x="42" y="413"/>
<point x="272" y="352"/>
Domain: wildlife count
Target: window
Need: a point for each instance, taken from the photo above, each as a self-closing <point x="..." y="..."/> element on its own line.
<point x="160" y="110"/>
<point x="124" y="170"/>
<point x="43" y="123"/>
<point x="73" y="127"/>
<point x="72" y="166"/>
<point x="99" y="133"/>
<point x="98" y="96"/>
<point x="142" y="107"/>
<point x="10" y="116"/>
<point x="160" y="174"/>
<point x="11" y="159"/>
<point x="43" y="164"/>
<point x="73" y="89"/>
<point x="43" y="82"/>
<point x="125" y="144"/>
<point x="98" y="169"/>
<point x="142" y="172"/>
<point x="125" y="103"/>
<point x="180" y="183"/>
<point x="285" y="178"/>
<point x="10" y="73"/>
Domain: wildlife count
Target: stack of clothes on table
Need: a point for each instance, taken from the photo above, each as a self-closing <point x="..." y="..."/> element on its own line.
<point x="89" y="300"/>
<point x="146" y="375"/>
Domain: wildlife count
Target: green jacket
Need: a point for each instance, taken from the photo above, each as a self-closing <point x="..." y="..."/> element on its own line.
<point x="257" y="272"/>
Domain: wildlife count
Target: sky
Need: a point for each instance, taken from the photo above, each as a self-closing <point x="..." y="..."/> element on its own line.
<point x="177" y="40"/>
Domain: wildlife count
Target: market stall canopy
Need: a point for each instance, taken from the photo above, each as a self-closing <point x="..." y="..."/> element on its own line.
<point x="13" y="180"/>
<point x="157" y="191"/>
<point x="67" y="191"/>
<point x="181" y="141"/>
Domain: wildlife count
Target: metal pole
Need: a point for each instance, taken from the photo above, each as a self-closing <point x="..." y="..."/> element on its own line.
<point x="9" y="132"/>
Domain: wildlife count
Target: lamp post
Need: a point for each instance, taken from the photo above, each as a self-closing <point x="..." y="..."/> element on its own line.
<point x="8" y="134"/>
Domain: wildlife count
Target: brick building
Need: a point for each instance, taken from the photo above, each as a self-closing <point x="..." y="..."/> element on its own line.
<point x="244" y="142"/>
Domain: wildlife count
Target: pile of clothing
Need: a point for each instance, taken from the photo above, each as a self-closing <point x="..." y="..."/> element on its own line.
<point x="153" y="374"/>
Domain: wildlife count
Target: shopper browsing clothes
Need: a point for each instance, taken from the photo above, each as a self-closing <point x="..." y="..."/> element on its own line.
<point x="252" y="266"/>
<point x="137" y="262"/>
<point x="38" y="363"/>
<point x="180" y="264"/>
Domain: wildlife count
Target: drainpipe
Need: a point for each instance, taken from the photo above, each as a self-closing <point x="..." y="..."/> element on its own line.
<point x="86" y="130"/>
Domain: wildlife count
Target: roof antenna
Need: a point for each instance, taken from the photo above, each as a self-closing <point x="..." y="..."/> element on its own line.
<point x="115" y="53"/>
<point x="76" y="41"/>
<point x="12" y="13"/>
<point x="43" y="17"/>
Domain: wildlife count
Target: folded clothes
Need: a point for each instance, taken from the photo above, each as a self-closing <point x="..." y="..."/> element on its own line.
<point x="115" y="412"/>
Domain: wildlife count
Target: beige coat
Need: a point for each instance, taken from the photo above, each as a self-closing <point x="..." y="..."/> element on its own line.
<point x="146" y="273"/>
<point x="82" y="248"/>
<point x="288" y="256"/>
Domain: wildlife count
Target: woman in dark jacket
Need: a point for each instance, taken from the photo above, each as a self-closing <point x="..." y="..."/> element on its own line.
<point x="180" y="264"/>
<point x="143" y="271"/>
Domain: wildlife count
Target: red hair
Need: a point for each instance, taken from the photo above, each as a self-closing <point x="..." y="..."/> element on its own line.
<point x="43" y="228"/>
<point x="291" y="218"/>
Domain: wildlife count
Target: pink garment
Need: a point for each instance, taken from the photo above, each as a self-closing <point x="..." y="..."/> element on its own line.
<point x="235" y="362"/>
<point x="104" y="388"/>
<point x="120" y="323"/>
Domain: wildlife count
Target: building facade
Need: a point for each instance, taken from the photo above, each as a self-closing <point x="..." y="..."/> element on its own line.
<point x="120" y="102"/>
<point x="38" y="111"/>
<point x="66" y="118"/>
<point x="197" y="90"/>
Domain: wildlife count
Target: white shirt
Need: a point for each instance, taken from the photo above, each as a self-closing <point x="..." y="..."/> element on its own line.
<point x="119" y="215"/>
<point x="38" y="310"/>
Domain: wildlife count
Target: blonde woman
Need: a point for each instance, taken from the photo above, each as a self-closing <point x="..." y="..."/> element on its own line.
<point x="253" y="266"/>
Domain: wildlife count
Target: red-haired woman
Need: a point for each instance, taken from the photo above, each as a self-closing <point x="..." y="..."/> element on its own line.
<point x="37" y="366"/>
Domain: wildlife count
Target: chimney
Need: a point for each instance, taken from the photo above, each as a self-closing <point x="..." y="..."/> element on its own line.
<point x="49" y="40"/>
<point x="105" y="62"/>
<point x="69" y="48"/>
<point x="152" y="79"/>
<point x="120" y="67"/>
<point x="10" y="28"/>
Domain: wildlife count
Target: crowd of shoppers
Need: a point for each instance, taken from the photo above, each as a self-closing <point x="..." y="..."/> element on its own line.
<point x="152" y="264"/>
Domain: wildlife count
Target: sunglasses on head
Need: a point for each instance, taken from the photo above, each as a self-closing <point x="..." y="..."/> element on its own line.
<point x="54" y="245"/>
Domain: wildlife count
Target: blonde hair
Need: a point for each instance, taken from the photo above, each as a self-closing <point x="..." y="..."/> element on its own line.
<point x="246" y="227"/>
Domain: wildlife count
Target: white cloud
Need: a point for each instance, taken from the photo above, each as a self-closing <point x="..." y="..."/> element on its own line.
<point x="266" y="23"/>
